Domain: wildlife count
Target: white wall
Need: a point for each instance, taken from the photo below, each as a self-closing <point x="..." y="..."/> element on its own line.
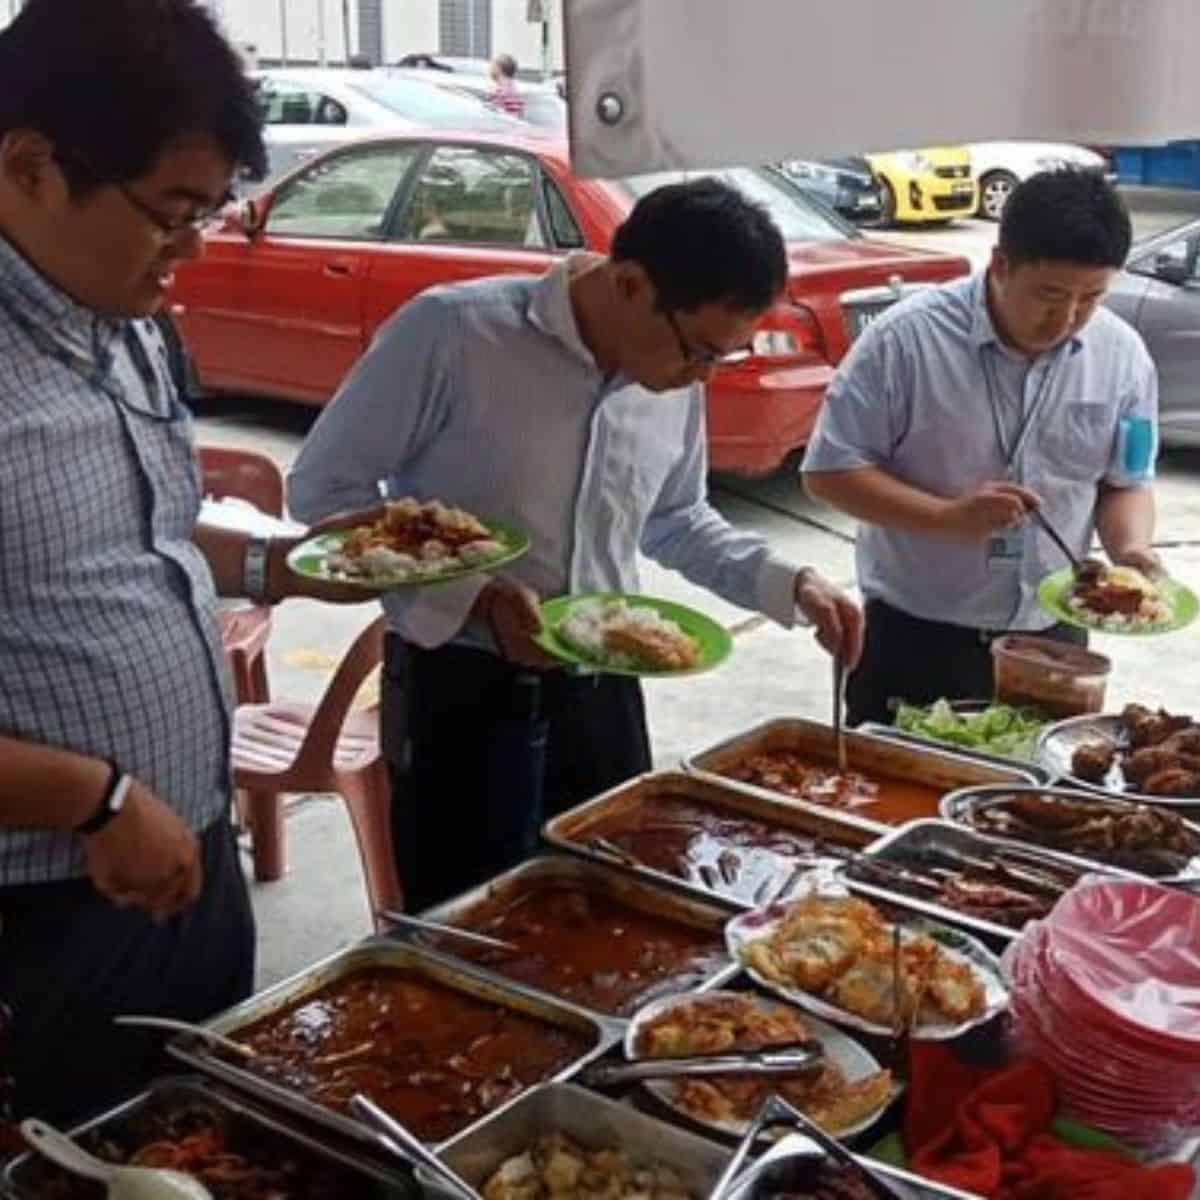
<point x="409" y="26"/>
<point x="261" y="23"/>
<point x="513" y="34"/>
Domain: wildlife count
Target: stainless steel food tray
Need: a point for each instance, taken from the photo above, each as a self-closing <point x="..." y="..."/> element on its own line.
<point x="383" y="952"/>
<point x="593" y="1121"/>
<point x="1056" y="746"/>
<point x="1038" y="773"/>
<point x="571" y="830"/>
<point x="918" y="836"/>
<point x="927" y="765"/>
<point x="597" y="879"/>
<point x="25" y="1176"/>
<point x="956" y="806"/>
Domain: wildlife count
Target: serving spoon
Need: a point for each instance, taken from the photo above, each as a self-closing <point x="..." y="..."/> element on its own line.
<point x="218" y="1040"/>
<point x="123" y="1183"/>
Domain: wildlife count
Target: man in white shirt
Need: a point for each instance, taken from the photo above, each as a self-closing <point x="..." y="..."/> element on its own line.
<point x="571" y="406"/>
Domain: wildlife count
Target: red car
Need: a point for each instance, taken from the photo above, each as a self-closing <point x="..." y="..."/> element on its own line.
<point x="294" y="284"/>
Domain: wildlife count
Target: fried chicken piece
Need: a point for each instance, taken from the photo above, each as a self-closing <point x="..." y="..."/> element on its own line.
<point x="1147" y="728"/>
<point x="658" y="649"/>
<point x="1093" y="761"/>
<point x="1173" y="781"/>
<point x="868" y="986"/>
<point x="955" y="989"/>
<point x="1149" y="760"/>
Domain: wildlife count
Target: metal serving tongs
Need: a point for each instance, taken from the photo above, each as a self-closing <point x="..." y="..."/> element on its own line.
<point x="399" y="1141"/>
<point x="799" y="1058"/>
<point x="839" y="699"/>
<point x="777" y="1111"/>
<point x="466" y="936"/>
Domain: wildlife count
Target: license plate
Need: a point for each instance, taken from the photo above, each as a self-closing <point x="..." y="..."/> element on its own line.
<point x="862" y="315"/>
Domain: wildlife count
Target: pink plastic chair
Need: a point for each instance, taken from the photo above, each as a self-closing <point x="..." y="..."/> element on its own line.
<point x="288" y="747"/>
<point x="246" y="475"/>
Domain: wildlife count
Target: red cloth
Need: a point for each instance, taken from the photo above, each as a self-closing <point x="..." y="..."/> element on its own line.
<point x="987" y="1131"/>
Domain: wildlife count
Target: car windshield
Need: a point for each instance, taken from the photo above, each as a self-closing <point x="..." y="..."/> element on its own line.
<point x="799" y="220"/>
<point x="432" y="105"/>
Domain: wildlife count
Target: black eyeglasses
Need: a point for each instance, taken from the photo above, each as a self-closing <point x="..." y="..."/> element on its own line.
<point x="702" y="357"/>
<point x="168" y="225"/>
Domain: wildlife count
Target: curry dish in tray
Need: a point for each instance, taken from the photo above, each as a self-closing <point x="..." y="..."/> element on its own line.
<point x="436" y="1058"/>
<point x="594" y="950"/>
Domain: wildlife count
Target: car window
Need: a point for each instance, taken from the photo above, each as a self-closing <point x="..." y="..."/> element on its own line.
<point x="343" y="197"/>
<point x="431" y="105"/>
<point x="477" y="195"/>
<point x="290" y="104"/>
<point x="799" y="220"/>
<point x="564" y="229"/>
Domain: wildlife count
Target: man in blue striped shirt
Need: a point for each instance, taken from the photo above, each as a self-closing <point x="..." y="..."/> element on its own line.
<point x="572" y="406"/>
<point x="120" y="889"/>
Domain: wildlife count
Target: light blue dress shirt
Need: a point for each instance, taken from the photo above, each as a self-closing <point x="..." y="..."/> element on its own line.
<point x="930" y="395"/>
<point x="484" y="395"/>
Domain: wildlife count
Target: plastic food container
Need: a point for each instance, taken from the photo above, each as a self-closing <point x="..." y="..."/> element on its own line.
<point x="1061" y="679"/>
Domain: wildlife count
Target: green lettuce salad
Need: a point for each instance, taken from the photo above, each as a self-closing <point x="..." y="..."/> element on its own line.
<point x="997" y="729"/>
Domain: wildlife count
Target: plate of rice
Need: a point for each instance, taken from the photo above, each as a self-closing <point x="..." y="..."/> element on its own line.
<point x="413" y="543"/>
<point x="632" y="635"/>
<point x="1115" y="599"/>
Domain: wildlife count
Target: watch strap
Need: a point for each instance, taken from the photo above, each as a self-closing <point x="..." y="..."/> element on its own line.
<point x="254" y="568"/>
<point x="111" y="802"/>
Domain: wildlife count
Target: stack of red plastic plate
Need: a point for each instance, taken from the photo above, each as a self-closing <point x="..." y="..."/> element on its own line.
<point x="1106" y="992"/>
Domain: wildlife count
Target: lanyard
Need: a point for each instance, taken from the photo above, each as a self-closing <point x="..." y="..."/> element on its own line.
<point x="1011" y="453"/>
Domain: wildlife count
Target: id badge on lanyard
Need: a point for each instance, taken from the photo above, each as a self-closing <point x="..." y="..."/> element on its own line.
<point x="1006" y="547"/>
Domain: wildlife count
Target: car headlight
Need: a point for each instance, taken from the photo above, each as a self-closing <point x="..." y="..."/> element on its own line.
<point x="915" y="161"/>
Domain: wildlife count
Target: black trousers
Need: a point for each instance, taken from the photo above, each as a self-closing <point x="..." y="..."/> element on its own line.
<point x="906" y="657"/>
<point x="481" y="752"/>
<point x="70" y="961"/>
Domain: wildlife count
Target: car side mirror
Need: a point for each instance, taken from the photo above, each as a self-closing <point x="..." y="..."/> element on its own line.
<point x="1170" y="269"/>
<point x="248" y="216"/>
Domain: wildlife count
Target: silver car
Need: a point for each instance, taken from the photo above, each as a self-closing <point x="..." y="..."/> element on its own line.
<point x="307" y="111"/>
<point x="1158" y="293"/>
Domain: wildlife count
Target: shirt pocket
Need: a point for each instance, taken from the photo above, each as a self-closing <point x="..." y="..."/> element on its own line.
<point x="1077" y="442"/>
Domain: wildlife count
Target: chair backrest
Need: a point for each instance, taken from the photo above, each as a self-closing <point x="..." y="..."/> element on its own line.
<point x="364" y="655"/>
<point x="245" y="474"/>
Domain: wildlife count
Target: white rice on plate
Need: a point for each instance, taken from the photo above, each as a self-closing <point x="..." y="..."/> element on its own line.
<point x="601" y="629"/>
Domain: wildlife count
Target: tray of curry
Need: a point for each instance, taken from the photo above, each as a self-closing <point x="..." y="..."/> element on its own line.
<point x="595" y="937"/>
<point x="886" y="784"/>
<point x="437" y="1043"/>
<point x="706" y="838"/>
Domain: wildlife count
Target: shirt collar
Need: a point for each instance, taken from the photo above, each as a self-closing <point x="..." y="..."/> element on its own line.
<point x="550" y="308"/>
<point x="983" y="330"/>
<point x="48" y="309"/>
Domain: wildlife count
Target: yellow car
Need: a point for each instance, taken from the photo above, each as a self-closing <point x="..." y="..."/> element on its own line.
<point x="933" y="184"/>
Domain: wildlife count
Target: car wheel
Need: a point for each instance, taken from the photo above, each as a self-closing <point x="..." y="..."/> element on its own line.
<point x="887" y="214"/>
<point x="994" y="190"/>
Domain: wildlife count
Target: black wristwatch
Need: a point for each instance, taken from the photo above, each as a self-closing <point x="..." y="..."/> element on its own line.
<point x="111" y="803"/>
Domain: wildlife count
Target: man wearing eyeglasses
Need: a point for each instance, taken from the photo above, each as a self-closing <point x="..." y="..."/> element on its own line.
<point x="120" y="890"/>
<point x="573" y="406"/>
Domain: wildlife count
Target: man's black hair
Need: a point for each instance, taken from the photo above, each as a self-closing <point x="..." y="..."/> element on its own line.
<point x="1067" y="215"/>
<point x="112" y="83"/>
<point x="703" y="242"/>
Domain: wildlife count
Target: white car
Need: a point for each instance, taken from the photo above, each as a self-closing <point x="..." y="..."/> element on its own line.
<point x="305" y="111"/>
<point x="1000" y="166"/>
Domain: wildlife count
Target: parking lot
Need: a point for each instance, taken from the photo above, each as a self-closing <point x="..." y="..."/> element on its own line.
<point x="320" y="904"/>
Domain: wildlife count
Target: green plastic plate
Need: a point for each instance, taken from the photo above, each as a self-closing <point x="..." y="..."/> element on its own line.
<point x="1054" y="590"/>
<point x="713" y="638"/>
<point x="311" y="559"/>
